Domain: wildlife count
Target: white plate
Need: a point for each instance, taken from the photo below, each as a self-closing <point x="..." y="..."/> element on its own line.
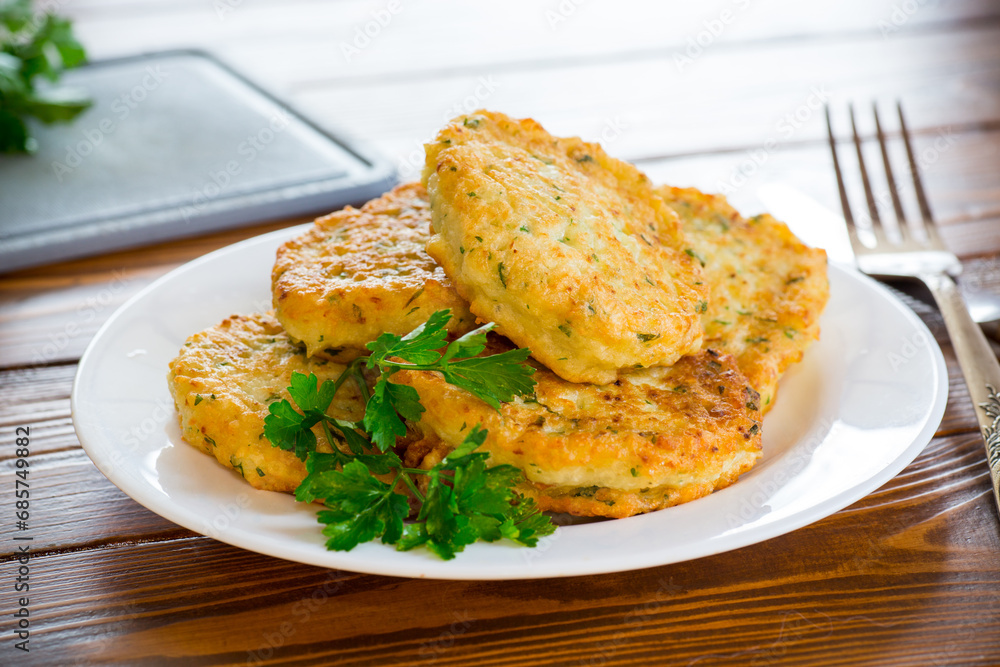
<point x="863" y="403"/>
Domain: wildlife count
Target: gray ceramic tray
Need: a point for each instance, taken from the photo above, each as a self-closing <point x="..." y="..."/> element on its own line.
<point x="175" y="144"/>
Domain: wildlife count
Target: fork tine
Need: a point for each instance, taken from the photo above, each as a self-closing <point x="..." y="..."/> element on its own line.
<point x="876" y="223"/>
<point x="925" y="209"/>
<point x="844" y="203"/>
<point x="897" y="205"/>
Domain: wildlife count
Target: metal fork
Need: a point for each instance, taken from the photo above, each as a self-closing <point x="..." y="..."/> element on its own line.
<point x="919" y="253"/>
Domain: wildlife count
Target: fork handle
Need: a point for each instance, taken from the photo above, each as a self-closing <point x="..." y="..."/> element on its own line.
<point x="979" y="366"/>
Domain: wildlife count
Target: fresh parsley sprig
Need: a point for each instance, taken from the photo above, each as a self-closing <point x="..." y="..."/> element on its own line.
<point x="463" y="500"/>
<point x="495" y="379"/>
<point x="33" y="44"/>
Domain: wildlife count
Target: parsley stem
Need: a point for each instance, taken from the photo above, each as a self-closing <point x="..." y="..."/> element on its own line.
<point x="391" y="367"/>
<point x="334" y="442"/>
<point x="418" y="471"/>
<point x="353" y="370"/>
<point x="409" y="482"/>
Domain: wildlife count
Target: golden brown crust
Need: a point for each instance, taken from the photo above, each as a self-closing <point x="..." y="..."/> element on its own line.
<point x="651" y="439"/>
<point x="767" y="289"/>
<point x="568" y="250"/>
<point x="360" y="272"/>
<point x="222" y="382"/>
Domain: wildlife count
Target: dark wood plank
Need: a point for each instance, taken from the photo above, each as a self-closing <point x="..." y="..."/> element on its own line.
<point x="38" y="398"/>
<point x="916" y="564"/>
<point x="49" y="314"/>
<point x="73" y="504"/>
<point x="909" y="575"/>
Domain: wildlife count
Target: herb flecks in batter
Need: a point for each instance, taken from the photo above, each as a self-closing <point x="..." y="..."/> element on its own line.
<point x="691" y="253"/>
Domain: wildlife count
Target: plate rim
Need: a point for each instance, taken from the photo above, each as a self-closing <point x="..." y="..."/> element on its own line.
<point x="418" y="565"/>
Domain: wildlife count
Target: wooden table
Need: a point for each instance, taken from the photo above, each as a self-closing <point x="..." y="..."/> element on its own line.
<point x="694" y="94"/>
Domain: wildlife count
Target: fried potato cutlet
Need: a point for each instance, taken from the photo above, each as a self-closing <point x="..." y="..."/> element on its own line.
<point x="767" y="289"/>
<point x="222" y="381"/>
<point x="568" y="250"/>
<point x="650" y="439"/>
<point x="360" y="272"/>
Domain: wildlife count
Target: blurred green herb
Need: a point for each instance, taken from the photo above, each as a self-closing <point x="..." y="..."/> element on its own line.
<point x="32" y="44"/>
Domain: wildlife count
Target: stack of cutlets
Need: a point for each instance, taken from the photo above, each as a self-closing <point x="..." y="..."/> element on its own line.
<point x="659" y="322"/>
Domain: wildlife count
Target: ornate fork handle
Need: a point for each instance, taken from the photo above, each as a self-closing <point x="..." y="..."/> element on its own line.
<point x="979" y="366"/>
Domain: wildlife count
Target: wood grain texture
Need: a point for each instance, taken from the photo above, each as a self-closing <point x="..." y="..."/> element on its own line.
<point x="74" y="505"/>
<point x="914" y="566"/>
<point x="38" y="398"/>
<point x="49" y="316"/>
<point x="908" y="575"/>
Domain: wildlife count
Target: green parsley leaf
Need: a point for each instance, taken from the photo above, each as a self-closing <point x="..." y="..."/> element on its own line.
<point x="526" y="524"/>
<point x="472" y="441"/>
<point x="347" y="433"/>
<point x="309" y="395"/>
<point x="464" y="500"/>
<point x="390" y="401"/>
<point x="420" y="346"/>
<point x="289" y="430"/>
<point x="362" y="507"/>
<point x="496" y="379"/>
<point x="469" y="345"/>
